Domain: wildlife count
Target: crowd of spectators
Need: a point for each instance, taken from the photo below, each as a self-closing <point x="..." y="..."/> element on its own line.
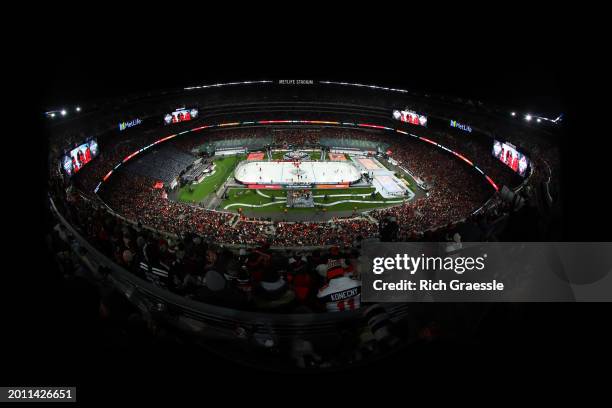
<point x="455" y="191"/>
<point x="135" y="198"/>
<point x="338" y="231"/>
<point x="297" y="137"/>
<point x="253" y="280"/>
<point x="248" y="279"/>
<point x="197" y="248"/>
<point x="112" y="152"/>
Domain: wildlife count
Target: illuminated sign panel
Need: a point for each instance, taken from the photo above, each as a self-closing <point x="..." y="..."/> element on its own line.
<point x="180" y="115"/>
<point x="507" y="154"/>
<point x="74" y="160"/>
<point x="410" y="117"/>
<point x="129" y="124"/>
<point x="460" y="126"/>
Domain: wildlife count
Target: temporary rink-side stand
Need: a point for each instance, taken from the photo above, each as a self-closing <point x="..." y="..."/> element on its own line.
<point x="385" y="181"/>
<point x="300" y="198"/>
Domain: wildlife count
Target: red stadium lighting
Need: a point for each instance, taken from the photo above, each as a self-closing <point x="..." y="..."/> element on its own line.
<point x="492" y="183"/>
<point x="371" y="126"/>
<point x="428" y="141"/>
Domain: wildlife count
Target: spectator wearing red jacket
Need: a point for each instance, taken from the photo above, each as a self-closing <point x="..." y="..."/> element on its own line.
<point x="299" y="279"/>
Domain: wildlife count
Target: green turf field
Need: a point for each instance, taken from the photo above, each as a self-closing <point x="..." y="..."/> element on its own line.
<point x="278" y="155"/>
<point x="223" y="169"/>
<point x="316" y="155"/>
<point x="275" y="200"/>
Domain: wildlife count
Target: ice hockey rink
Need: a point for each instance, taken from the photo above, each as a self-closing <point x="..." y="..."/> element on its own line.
<point x="285" y="172"/>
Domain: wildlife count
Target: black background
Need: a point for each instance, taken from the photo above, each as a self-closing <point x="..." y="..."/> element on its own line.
<point x="525" y="60"/>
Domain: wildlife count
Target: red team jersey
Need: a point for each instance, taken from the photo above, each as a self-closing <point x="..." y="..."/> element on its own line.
<point x="341" y="294"/>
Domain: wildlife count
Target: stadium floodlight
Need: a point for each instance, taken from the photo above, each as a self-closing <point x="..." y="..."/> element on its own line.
<point x="78" y="108"/>
<point x="528" y="117"/>
<point x="513" y="113"/>
<point x="63" y="112"/>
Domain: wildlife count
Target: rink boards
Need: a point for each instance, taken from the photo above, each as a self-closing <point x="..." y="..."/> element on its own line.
<point x="286" y="173"/>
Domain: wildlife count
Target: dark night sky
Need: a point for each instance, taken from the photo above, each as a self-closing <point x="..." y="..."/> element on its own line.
<point x="511" y="68"/>
<point x="527" y="85"/>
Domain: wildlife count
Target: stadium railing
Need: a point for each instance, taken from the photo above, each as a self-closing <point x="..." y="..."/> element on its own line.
<point x="220" y="322"/>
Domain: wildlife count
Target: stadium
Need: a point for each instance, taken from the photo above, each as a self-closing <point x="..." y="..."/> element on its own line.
<point x="227" y="216"/>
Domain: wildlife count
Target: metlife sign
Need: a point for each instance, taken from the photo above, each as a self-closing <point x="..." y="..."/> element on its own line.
<point x="460" y="126"/>
<point x="129" y="124"/>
